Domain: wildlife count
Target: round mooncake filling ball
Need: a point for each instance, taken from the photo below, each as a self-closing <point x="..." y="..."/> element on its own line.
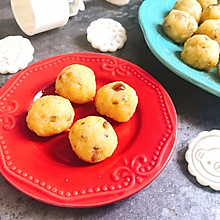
<point x="116" y="100"/>
<point x="191" y="6"/>
<point x="50" y="115"/>
<point x="200" y="52"/>
<point x="179" y="25"/>
<point x="210" y="12"/>
<point x="211" y="28"/>
<point x="93" y="139"/>
<point x="76" y="83"/>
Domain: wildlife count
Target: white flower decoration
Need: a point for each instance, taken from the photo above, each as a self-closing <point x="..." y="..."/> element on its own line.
<point x="15" y="54"/>
<point x="106" y="34"/>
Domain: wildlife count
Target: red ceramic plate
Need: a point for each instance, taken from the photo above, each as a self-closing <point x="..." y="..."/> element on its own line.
<point x="49" y="171"/>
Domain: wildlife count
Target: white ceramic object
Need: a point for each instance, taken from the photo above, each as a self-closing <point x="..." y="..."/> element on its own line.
<point x="203" y="157"/>
<point x="75" y="6"/>
<point x="118" y="2"/>
<point x="36" y="16"/>
<point x="106" y="34"/>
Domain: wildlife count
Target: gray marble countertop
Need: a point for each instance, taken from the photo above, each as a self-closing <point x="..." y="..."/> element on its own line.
<point x="174" y="194"/>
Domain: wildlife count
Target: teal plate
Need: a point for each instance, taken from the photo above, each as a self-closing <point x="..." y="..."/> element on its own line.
<point x="151" y="15"/>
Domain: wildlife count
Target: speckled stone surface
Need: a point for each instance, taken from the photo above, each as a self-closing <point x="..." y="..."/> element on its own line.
<point x="174" y="194"/>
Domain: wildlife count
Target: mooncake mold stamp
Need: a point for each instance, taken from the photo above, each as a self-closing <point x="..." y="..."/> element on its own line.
<point x="203" y="157"/>
<point x="16" y="52"/>
<point x="106" y="34"/>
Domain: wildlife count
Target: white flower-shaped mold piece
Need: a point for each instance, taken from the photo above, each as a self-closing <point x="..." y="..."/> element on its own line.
<point x="118" y="2"/>
<point x="106" y="35"/>
<point x="203" y="157"/>
<point x="16" y="53"/>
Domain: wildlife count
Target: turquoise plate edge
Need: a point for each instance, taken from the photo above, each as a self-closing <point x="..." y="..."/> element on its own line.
<point x="150" y="16"/>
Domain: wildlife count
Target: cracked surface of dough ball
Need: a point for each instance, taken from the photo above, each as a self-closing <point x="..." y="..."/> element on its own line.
<point x="50" y="115"/>
<point x="211" y="12"/>
<point x="179" y="25"/>
<point x="191" y="6"/>
<point x="206" y="3"/>
<point x="93" y="139"/>
<point x="116" y="100"/>
<point x="76" y="83"/>
<point x="200" y="52"/>
<point x="210" y="28"/>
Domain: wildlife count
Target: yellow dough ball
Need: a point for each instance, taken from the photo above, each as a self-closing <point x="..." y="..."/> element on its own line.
<point x="93" y="139"/>
<point x="76" y="83"/>
<point x="210" y="28"/>
<point x="206" y="3"/>
<point x="191" y="6"/>
<point x="179" y="25"/>
<point x="211" y="12"/>
<point x="50" y="115"/>
<point x="200" y="52"/>
<point x="116" y="100"/>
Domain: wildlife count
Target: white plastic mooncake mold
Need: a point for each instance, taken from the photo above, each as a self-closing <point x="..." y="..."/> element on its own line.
<point x="203" y="157"/>
<point x="16" y="52"/>
<point x="106" y="35"/>
<point x="36" y="16"/>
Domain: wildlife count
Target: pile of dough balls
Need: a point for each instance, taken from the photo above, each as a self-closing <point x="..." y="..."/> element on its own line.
<point x="196" y="25"/>
<point x="53" y="114"/>
<point x="92" y="138"/>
